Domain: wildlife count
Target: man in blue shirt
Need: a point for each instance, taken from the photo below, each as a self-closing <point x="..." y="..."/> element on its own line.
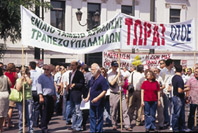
<point x="47" y="96"/>
<point x="98" y="88"/>
<point x="178" y="120"/>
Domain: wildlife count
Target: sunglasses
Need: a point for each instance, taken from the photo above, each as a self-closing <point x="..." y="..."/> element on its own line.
<point x="46" y="69"/>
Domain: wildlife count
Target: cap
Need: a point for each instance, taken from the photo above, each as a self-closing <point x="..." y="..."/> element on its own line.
<point x="114" y="63"/>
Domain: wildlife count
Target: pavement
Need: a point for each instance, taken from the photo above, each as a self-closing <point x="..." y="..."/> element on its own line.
<point x="57" y="124"/>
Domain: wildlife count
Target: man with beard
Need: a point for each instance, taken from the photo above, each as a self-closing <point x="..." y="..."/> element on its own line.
<point x="98" y="88"/>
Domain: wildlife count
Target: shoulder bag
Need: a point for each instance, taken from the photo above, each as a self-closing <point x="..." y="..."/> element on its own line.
<point x="15" y="95"/>
<point x="131" y="87"/>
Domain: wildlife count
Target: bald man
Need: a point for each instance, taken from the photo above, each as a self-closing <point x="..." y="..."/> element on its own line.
<point x="98" y="88"/>
<point x="74" y="90"/>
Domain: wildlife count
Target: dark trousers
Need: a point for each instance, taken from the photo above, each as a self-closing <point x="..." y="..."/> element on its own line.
<point x="150" y="111"/>
<point x="85" y="114"/>
<point x="178" y="120"/>
<point x="36" y="108"/>
<point x="191" y="117"/>
<point x="96" y="119"/>
<point x="47" y="109"/>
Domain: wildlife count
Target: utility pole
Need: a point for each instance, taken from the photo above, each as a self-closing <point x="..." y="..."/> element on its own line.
<point x="37" y="50"/>
<point x="152" y="18"/>
<point x="133" y="14"/>
<point x="42" y="19"/>
<point x="133" y="8"/>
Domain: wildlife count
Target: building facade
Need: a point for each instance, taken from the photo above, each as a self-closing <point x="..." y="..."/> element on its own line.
<point x="63" y="16"/>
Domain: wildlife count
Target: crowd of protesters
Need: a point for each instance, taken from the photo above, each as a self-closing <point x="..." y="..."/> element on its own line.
<point x="154" y="97"/>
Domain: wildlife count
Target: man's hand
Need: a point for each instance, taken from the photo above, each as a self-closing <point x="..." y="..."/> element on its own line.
<point x="41" y="99"/>
<point x="71" y="85"/>
<point x="142" y="104"/>
<point x="158" y="103"/>
<point x="86" y="99"/>
<point x="94" y="100"/>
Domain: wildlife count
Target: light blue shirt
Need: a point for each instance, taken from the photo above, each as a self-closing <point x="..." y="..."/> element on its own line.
<point x="46" y="86"/>
<point x="34" y="75"/>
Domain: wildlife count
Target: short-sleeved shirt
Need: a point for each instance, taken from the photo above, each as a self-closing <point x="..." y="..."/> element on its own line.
<point x="178" y="82"/>
<point x="125" y="73"/>
<point x="34" y="75"/>
<point x="166" y="76"/>
<point x="150" y="90"/>
<point x="111" y="76"/>
<point x="12" y="78"/>
<point x="46" y="86"/>
<point x="97" y="86"/>
<point x="138" y="79"/>
<point x="193" y="85"/>
<point x="65" y="78"/>
<point x="57" y="78"/>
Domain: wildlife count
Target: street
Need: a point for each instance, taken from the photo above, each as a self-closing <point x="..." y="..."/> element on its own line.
<point x="57" y="124"/>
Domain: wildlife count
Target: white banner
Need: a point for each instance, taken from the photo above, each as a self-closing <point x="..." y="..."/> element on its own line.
<point x="139" y="34"/>
<point x="129" y="59"/>
<point x="121" y="32"/>
<point x="37" y="33"/>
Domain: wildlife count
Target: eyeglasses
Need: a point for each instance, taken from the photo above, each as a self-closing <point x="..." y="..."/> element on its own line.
<point x="161" y="63"/>
<point x="46" y="69"/>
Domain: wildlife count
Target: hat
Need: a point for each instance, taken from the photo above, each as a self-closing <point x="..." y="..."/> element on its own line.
<point x="114" y="63"/>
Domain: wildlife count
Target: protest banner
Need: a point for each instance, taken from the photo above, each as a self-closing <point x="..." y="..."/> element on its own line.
<point x="37" y="33"/>
<point x="139" y="34"/>
<point x="121" y="32"/>
<point x="128" y="59"/>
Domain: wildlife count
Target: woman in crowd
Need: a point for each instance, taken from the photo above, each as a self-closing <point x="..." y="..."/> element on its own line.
<point x="25" y="79"/>
<point x="150" y="97"/>
<point x="107" y="115"/>
<point x="12" y="75"/>
<point x="4" y="97"/>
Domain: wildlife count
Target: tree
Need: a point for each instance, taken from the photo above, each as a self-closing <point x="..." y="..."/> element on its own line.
<point x="10" y="18"/>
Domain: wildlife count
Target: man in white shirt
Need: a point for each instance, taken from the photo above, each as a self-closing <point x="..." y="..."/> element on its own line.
<point x="137" y="81"/>
<point x="34" y="75"/>
<point x="125" y="73"/>
<point x="167" y="73"/>
<point x="38" y="69"/>
<point x="66" y="102"/>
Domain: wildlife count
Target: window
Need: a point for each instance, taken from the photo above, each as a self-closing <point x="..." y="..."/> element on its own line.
<point x="92" y="22"/>
<point x="57" y="61"/>
<point x="174" y="15"/>
<point x="58" y="14"/>
<point x="93" y="8"/>
<point x="127" y="10"/>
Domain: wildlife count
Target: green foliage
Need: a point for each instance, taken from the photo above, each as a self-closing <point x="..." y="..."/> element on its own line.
<point x="10" y="18"/>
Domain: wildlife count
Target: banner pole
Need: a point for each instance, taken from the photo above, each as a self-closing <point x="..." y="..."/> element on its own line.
<point x="23" y="90"/>
<point x="120" y="91"/>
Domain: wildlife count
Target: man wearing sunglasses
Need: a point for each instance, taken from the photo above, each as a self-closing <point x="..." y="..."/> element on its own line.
<point x="47" y="96"/>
